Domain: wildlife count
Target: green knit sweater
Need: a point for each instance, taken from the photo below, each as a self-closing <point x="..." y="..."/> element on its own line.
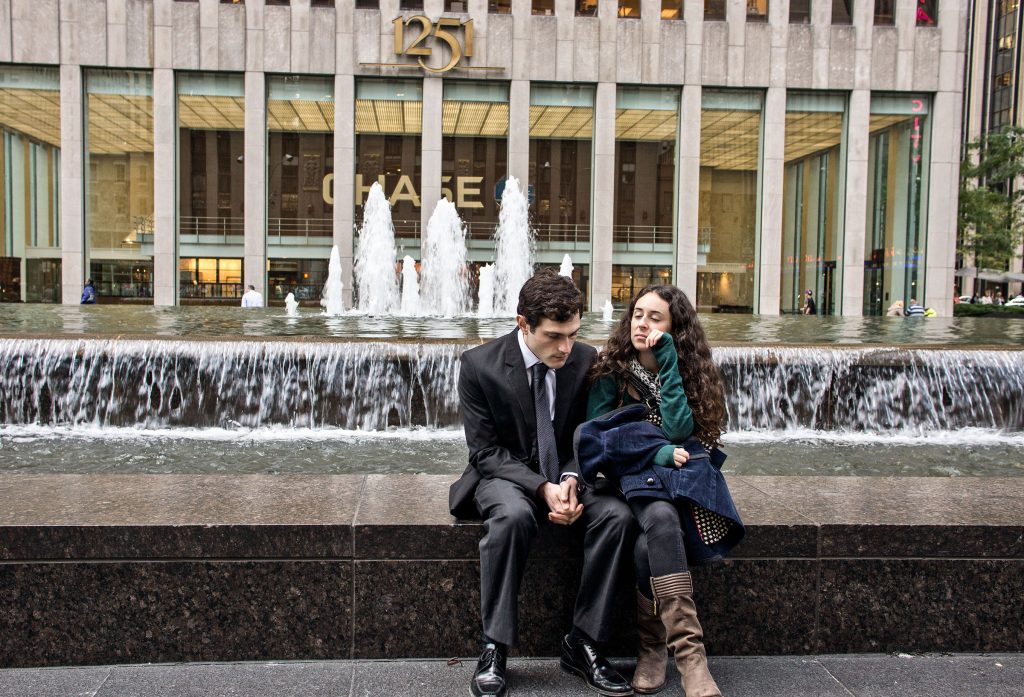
<point x="676" y="415"/>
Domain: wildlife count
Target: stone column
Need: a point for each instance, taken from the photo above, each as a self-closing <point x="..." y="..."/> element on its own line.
<point x="255" y="271"/>
<point x="72" y="185"/>
<point x="941" y="218"/>
<point x="858" y="121"/>
<point x="344" y="176"/>
<point x="430" y="183"/>
<point x="688" y="176"/>
<point x="769" y="261"/>
<point x="602" y="196"/>
<point x="519" y="131"/>
<point x="165" y="247"/>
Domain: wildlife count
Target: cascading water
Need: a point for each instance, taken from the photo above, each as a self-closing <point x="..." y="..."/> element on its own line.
<point x="514" y="249"/>
<point x="606" y="311"/>
<point x="410" y="287"/>
<point x="566" y="268"/>
<point x="332" y="301"/>
<point x="166" y="383"/>
<point x="374" y="268"/>
<point x="485" y="293"/>
<point x="444" y="289"/>
<point x="291" y="305"/>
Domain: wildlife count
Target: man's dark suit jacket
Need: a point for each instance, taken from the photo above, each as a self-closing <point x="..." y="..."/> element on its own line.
<point x="498" y="414"/>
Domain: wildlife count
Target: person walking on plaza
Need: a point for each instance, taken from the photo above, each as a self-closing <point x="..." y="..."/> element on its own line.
<point x="252" y="298"/>
<point x="895" y="310"/>
<point x="914" y="309"/>
<point x="88" y="293"/>
<point x="522" y="397"/>
<point x="659" y="356"/>
<point x="810" y="307"/>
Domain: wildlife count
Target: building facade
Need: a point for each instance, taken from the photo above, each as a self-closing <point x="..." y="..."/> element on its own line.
<point x="992" y="102"/>
<point x="746" y="150"/>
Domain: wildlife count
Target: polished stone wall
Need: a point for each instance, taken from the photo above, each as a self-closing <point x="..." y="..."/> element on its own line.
<point x="100" y="569"/>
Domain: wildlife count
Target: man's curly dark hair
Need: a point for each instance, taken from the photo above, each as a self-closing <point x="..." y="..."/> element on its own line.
<point x="547" y="295"/>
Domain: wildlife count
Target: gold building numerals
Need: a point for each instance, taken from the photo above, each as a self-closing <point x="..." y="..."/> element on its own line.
<point x="433" y="30"/>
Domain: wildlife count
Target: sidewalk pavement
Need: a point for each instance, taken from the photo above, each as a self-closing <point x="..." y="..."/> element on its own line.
<point x="931" y="675"/>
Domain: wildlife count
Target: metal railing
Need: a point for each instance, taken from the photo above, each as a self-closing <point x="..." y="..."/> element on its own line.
<point x="642" y="234"/>
<point x="210" y="290"/>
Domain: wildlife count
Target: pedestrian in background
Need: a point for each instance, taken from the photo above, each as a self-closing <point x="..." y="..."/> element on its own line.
<point x="88" y="293"/>
<point x="252" y="298"/>
<point x="914" y="309"/>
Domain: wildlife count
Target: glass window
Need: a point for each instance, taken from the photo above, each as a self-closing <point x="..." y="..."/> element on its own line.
<point x="897" y="193"/>
<point x="628" y="279"/>
<point x="586" y="8"/>
<point x="367" y="4"/>
<point x="211" y="175"/>
<point x="730" y="148"/>
<point x="799" y="11"/>
<point x="119" y="183"/>
<point x="757" y="10"/>
<point x="389" y="121"/>
<point x="542" y="7"/>
<point x="561" y="152"/>
<point x="629" y="8"/>
<point x="321" y="3"/>
<point x="300" y="176"/>
<point x="210" y="281"/>
<point x="927" y="13"/>
<point x="714" y="10"/>
<point x="280" y="3"/>
<point x="411" y="5"/>
<point x="646" y="124"/>
<point x="30" y="245"/>
<point x="474" y="152"/>
<point x="842" y="11"/>
<point x="499" y="7"/>
<point x="812" y="203"/>
<point x="455" y="5"/>
<point x="884" y="12"/>
<point x="671" y="9"/>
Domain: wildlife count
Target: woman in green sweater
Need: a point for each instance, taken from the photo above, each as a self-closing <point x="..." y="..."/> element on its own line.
<point x="660" y="344"/>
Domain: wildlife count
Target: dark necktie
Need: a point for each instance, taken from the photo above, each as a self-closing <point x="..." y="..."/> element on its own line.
<point x="547" y="451"/>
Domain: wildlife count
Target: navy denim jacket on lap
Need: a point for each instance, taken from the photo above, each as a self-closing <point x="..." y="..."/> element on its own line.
<point x="622" y="446"/>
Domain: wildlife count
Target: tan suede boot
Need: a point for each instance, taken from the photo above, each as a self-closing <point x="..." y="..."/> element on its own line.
<point x="673" y="599"/>
<point x="649" y="677"/>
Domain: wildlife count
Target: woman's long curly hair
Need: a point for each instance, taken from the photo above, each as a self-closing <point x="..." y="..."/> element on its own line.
<point x="702" y="379"/>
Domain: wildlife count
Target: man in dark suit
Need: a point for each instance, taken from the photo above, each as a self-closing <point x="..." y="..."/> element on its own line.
<point x="523" y="396"/>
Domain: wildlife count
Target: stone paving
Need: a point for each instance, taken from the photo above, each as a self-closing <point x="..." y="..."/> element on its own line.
<point x="901" y="675"/>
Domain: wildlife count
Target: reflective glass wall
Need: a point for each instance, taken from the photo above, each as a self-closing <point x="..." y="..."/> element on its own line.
<point x="474" y="151"/>
<point x="300" y="174"/>
<point x="561" y="171"/>
<point x="730" y="148"/>
<point x="30" y="263"/>
<point x="119" y="184"/>
<point x="812" y="203"/>
<point x="211" y="187"/>
<point x="646" y="128"/>
<point x="389" y="124"/>
<point x="897" y="197"/>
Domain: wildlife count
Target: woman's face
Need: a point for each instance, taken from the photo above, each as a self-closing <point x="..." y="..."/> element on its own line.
<point x="650" y="312"/>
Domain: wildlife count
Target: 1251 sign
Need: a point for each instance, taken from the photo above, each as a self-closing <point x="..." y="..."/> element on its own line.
<point x="426" y="32"/>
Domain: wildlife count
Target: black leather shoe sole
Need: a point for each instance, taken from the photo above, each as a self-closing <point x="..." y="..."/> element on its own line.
<point x="476" y="693"/>
<point x="570" y="668"/>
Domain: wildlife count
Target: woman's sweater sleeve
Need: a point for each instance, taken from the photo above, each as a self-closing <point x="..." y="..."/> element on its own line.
<point x="604" y="396"/>
<point x="676" y="415"/>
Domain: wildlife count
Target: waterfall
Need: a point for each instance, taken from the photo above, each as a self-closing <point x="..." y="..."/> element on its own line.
<point x="444" y="289"/>
<point x="375" y="262"/>
<point x="372" y="386"/>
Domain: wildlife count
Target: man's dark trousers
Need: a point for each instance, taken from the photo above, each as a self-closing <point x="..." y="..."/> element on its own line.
<point x="511" y="522"/>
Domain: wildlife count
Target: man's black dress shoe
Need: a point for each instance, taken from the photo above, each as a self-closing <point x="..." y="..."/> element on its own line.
<point x="582" y="659"/>
<point x="489" y="679"/>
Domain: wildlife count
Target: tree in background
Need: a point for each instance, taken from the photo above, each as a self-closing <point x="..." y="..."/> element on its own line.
<point x="991" y="212"/>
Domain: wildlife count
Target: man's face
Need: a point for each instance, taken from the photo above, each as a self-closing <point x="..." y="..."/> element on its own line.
<point x="551" y="341"/>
